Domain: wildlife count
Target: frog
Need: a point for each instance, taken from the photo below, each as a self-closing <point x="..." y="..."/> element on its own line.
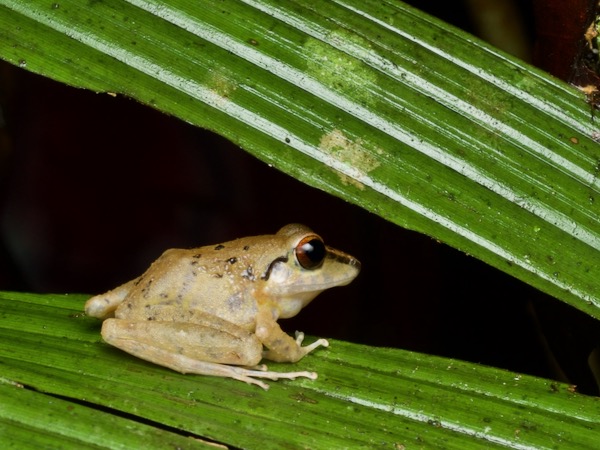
<point x="214" y="310"/>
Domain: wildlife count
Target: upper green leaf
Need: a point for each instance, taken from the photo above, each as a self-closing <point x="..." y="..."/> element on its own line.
<point x="369" y="100"/>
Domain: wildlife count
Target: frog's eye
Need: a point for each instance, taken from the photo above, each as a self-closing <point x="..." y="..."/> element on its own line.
<point x="310" y="252"/>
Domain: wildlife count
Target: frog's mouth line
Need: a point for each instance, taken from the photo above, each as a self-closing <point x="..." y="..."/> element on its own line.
<point x="342" y="257"/>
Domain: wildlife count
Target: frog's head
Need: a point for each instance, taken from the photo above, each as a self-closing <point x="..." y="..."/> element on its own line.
<point x="303" y="268"/>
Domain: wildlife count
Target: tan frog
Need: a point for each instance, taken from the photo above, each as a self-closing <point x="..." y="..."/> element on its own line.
<point x="213" y="310"/>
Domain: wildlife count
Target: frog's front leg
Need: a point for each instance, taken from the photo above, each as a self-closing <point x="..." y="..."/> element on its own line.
<point x="193" y="348"/>
<point x="280" y="346"/>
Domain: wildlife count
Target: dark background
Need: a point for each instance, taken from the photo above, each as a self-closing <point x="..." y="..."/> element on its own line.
<point x="93" y="188"/>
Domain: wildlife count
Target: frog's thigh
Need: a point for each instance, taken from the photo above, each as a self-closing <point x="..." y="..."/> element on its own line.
<point x="181" y="346"/>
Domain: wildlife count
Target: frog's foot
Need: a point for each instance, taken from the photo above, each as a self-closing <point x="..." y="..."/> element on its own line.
<point x="188" y="365"/>
<point x="311" y="347"/>
<point x="239" y="373"/>
<point x="249" y="376"/>
<point x="243" y="374"/>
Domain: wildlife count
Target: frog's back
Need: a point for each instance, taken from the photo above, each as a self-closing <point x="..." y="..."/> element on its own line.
<point x="184" y="282"/>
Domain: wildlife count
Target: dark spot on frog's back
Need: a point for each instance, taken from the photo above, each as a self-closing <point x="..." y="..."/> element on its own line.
<point x="146" y="288"/>
<point x="219" y="247"/>
<point x="232" y="260"/>
<point x="197" y="256"/>
<point x="246" y="248"/>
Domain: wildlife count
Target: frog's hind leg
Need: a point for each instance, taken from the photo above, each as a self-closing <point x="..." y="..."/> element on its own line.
<point x="192" y="348"/>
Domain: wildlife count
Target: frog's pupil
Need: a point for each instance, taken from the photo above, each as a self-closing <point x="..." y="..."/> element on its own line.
<point x="315" y="250"/>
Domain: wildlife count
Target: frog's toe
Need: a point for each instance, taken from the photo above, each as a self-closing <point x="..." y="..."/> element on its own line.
<point x="311" y="347"/>
<point x="316" y="344"/>
<point x="259" y="367"/>
<point x="249" y="376"/>
<point x="299" y="337"/>
<point x="255" y="382"/>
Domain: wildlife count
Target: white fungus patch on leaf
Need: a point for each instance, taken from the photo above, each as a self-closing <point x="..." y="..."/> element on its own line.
<point x="351" y="152"/>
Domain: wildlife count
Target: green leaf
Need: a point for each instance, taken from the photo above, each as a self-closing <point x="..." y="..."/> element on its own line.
<point x="369" y="100"/>
<point x="60" y="386"/>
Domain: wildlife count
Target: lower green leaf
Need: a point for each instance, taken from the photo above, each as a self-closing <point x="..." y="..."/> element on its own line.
<point x="61" y="385"/>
